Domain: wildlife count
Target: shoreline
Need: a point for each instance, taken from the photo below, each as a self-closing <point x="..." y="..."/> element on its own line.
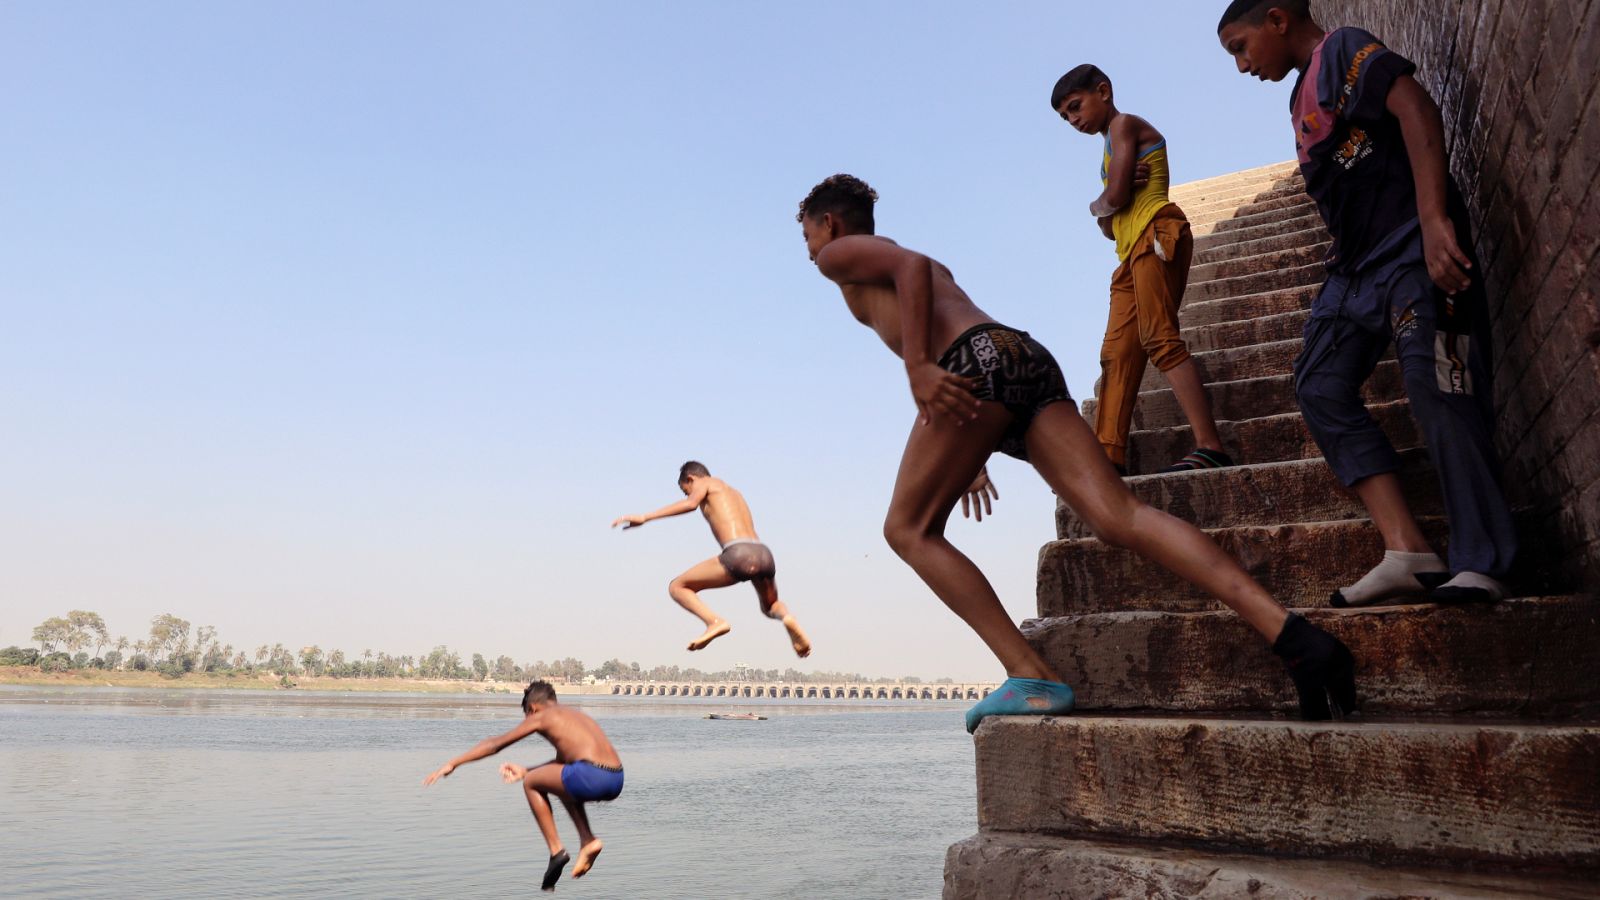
<point x="31" y="676"/>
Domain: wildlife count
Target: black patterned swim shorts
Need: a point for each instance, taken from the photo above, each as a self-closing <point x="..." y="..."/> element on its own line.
<point x="1007" y="366"/>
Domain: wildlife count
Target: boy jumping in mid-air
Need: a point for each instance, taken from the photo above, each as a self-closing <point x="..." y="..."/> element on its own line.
<point x="1371" y="147"/>
<point x="586" y="770"/>
<point x="1155" y="246"/>
<point x="743" y="557"/>
<point x="980" y="386"/>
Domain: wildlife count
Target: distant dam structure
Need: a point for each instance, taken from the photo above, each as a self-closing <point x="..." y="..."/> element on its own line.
<point x="777" y="690"/>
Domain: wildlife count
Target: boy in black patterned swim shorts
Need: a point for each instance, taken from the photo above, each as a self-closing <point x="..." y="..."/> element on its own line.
<point x="996" y="388"/>
<point x="743" y="557"/>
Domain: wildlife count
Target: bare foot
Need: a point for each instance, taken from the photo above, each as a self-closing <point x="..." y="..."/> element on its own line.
<point x="802" y="644"/>
<point x="712" y="633"/>
<point x="586" y="857"/>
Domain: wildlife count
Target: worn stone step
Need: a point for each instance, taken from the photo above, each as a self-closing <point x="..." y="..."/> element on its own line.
<point x="1298" y="564"/>
<point x="1260" y="175"/>
<point x="1247" y="306"/>
<point x="1239" y="196"/>
<point x="1234" y="400"/>
<point x="1275" y="493"/>
<point x="1244" y="285"/>
<point x="1247" y="333"/>
<point x="1288" y="206"/>
<point x="1262" y="439"/>
<point x="1274" y="218"/>
<point x="1255" y="361"/>
<point x="1207" y="239"/>
<point x="1237" y="191"/>
<point x="1001" y="865"/>
<point x="1527" y="658"/>
<point x="1432" y="793"/>
<point x="1236" y="265"/>
<point x="1216" y="250"/>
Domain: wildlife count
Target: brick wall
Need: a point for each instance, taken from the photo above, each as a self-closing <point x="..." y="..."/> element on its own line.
<point x="1517" y="83"/>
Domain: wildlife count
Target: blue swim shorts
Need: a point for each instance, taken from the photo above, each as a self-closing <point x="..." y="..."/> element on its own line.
<point x="587" y="782"/>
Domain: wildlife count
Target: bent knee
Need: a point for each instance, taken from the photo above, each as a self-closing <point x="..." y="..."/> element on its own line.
<point x="1167" y="354"/>
<point x="1113" y="523"/>
<point x="904" y="536"/>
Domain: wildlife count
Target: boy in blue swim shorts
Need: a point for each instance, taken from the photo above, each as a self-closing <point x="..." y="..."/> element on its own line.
<point x="586" y="770"/>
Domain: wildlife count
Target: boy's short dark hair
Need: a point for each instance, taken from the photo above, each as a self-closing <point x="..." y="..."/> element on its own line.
<point x="1084" y="78"/>
<point x="847" y="197"/>
<point x="1254" y="12"/>
<point x="696" y="469"/>
<point x="538" y="692"/>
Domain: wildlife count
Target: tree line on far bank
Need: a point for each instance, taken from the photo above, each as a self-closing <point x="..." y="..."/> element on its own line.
<point x="174" y="648"/>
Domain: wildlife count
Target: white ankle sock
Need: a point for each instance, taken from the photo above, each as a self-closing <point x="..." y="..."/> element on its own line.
<point x="1395" y="577"/>
<point x="1473" y="581"/>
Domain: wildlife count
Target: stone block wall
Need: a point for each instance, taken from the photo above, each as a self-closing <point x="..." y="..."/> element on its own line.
<point x="1518" y="82"/>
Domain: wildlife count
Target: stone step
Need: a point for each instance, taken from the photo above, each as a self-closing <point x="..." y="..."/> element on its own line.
<point x="1287" y="206"/>
<point x="1236" y="189"/>
<point x="1242" y="195"/>
<point x="1001" y="865"/>
<point x="1287" y="326"/>
<point x="1276" y="493"/>
<point x="1199" y="313"/>
<point x="1266" y="438"/>
<point x="1234" y="400"/>
<point x="1274" y="218"/>
<point x="1527" y="658"/>
<point x="1431" y="792"/>
<point x="1208" y="239"/>
<point x="1299" y="564"/>
<point x="1261" y="175"/>
<point x="1238" y="264"/>
<point x="1244" y="285"/>
<point x="1255" y="361"/>
<point x="1216" y="250"/>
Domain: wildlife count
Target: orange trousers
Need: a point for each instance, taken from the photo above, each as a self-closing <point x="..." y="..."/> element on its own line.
<point x="1143" y="326"/>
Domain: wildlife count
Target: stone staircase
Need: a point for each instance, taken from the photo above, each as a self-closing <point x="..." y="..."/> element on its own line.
<point x="1474" y="768"/>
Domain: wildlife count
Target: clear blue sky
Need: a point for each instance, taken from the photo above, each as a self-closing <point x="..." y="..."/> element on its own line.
<point x="357" y="323"/>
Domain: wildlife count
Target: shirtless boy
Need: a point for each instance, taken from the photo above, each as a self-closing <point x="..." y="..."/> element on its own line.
<point x="586" y="770"/>
<point x="743" y="557"/>
<point x="979" y="387"/>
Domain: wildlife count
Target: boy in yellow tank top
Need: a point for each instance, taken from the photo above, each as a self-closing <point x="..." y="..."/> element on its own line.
<point x="1155" y="247"/>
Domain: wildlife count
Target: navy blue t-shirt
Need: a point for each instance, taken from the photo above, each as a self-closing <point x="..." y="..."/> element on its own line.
<point x="1351" y="149"/>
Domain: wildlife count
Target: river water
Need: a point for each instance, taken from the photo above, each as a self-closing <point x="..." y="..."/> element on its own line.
<point x="118" y="793"/>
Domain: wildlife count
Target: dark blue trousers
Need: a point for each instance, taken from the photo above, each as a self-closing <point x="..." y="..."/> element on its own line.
<point x="1448" y="381"/>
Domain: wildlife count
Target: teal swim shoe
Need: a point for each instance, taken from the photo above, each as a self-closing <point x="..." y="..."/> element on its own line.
<point x="1011" y="699"/>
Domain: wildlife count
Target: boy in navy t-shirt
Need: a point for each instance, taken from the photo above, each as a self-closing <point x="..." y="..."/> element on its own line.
<point x="1371" y="147"/>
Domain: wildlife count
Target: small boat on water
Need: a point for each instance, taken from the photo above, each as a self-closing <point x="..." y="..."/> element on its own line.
<point x="738" y="717"/>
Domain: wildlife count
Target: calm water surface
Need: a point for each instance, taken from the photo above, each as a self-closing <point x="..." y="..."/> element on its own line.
<point x="107" y="792"/>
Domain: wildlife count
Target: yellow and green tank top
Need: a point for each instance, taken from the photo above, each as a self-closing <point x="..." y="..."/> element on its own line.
<point x="1134" y="218"/>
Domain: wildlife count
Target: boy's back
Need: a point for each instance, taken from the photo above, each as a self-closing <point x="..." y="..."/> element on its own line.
<point x="727" y="512"/>
<point x="576" y="736"/>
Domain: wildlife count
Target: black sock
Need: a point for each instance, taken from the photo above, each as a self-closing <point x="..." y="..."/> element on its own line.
<point x="552" y="874"/>
<point x="1322" y="668"/>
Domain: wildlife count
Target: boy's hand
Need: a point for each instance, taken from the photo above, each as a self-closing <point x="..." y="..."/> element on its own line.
<point x="510" y="772"/>
<point x="975" y="502"/>
<point x="1105" y="228"/>
<point x="938" y="392"/>
<point x="629" y="522"/>
<point x="1447" y="263"/>
<point x="439" y="773"/>
<point x="1141" y="175"/>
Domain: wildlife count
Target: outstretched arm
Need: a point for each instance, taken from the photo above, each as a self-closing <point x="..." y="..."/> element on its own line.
<point x="688" y="504"/>
<point x="1423" y="129"/>
<point x="1120" y="174"/>
<point x="856" y="260"/>
<point x="486" y="747"/>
